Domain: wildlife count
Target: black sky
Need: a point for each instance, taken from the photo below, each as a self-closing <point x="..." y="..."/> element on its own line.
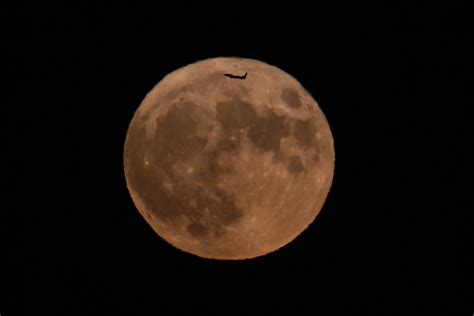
<point x="395" y="85"/>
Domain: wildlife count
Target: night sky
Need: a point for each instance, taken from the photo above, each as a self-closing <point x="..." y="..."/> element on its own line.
<point x="395" y="85"/>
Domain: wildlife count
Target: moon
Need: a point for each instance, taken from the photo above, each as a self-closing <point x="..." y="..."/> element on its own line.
<point x="229" y="158"/>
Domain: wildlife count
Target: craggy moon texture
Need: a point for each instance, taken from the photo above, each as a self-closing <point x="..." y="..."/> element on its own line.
<point x="229" y="168"/>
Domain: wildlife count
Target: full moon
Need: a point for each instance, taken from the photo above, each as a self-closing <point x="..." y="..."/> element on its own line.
<point x="229" y="158"/>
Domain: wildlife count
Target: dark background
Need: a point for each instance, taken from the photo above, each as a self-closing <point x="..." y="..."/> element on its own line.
<point x="394" y="82"/>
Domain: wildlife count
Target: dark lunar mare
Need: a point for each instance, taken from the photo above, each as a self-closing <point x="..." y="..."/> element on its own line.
<point x="175" y="140"/>
<point x="266" y="132"/>
<point x="291" y="98"/>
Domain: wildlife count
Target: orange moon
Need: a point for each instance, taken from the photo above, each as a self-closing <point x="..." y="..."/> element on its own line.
<point x="229" y="158"/>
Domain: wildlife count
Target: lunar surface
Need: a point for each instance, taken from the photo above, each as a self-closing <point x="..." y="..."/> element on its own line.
<point x="229" y="158"/>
